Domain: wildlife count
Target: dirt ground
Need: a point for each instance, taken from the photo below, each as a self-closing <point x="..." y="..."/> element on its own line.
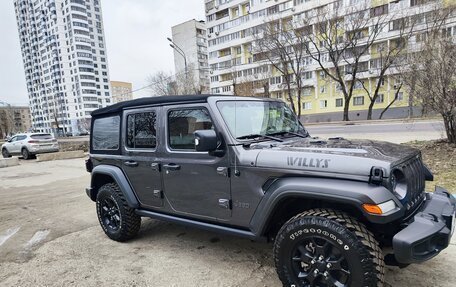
<point x="49" y="236"/>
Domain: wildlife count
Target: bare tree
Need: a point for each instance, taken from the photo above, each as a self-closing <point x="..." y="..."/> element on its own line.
<point x="281" y="43"/>
<point x="430" y="67"/>
<point x="162" y="84"/>
<point x="337" y="39"/>
<point x="183" y="83"/>
<point x="388" y="58"/>
<point x="6" y="121"/>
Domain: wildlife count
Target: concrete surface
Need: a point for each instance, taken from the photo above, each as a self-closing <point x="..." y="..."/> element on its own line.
<point x="394" y="131"/>
<point x="60" y="155"/>
<point x="49" y="236"/>
<point x="7" y="162"/>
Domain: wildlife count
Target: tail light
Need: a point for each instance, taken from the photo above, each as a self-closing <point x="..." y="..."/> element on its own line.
<point x="33" y="141"/>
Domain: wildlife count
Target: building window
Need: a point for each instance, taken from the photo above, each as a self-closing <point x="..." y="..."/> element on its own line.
<point x="307" y="105"/>
<point x="358" y="101"/>
<point x="380" y="99"/>
<point x="323" y="104"/>
<point x="400" y="96"/>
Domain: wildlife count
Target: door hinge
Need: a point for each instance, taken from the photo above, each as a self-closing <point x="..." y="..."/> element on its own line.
<point x="155" y="166"/>
<point x="225" y="203"/>
<point x="158" y="193"/>
<point x="223" y="170"/>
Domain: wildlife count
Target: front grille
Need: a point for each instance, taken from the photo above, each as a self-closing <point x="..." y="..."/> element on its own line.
<point x="414" y="174"/>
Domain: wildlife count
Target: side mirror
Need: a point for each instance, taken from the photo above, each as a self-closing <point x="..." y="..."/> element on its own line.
<point x="8" y="139"/>
<point x="205" y="140"/>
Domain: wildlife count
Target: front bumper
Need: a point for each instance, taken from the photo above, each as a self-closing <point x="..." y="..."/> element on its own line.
<point x="429" y="232"/>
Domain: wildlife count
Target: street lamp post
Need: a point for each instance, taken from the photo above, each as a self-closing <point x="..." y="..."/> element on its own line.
<point x="180" y="51"/>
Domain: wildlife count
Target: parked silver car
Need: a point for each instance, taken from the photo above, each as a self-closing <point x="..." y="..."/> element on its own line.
<point x="29" y="144"/>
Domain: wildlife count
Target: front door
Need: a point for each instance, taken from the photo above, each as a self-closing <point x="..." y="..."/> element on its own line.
<point x="195" y="183"/>
<point x="141" y="165"/>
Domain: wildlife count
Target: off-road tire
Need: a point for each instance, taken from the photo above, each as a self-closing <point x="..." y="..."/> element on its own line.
<point x="5" y="153"/>
<point x="357" y="245"/>
<point x="130" y="222"/>
<point x="26" y="154"/>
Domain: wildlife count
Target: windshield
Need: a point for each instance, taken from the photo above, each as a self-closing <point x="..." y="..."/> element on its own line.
<point x="246" y="118"/>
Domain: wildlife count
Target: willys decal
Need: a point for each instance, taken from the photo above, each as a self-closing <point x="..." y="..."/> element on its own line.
<point x="308" y="162"/>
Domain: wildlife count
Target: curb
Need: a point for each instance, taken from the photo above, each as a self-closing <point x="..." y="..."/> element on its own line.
<point x="59" y="155"/>
<point x="7" y="162"/>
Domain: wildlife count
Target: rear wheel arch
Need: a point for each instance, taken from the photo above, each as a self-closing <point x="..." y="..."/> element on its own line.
<point x="105" y="174"/>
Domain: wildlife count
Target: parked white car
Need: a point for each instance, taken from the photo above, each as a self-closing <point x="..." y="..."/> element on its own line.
<point x="29" y="144"/>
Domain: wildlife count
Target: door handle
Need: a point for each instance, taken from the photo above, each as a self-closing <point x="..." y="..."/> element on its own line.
<point x="131" y="163"/>
<point x="172" y="167"/>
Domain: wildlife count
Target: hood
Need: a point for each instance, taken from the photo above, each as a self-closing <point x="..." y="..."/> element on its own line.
<point x="356" y="157"/>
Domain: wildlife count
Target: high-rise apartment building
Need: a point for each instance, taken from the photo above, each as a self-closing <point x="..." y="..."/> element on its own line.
<point x="190" y="52"/>
<point x="65" y="62"/>
<point x="233" y="59"/>
<point x="121" y="91"/>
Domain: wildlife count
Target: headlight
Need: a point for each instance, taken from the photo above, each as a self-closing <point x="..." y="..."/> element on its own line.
<point x="398" y="184"/>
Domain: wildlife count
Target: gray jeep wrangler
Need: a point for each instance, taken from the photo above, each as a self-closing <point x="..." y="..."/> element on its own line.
<point x="337" y="210"/>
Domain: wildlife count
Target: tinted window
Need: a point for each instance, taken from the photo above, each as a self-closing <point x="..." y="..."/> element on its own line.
<point x="106" y="133"/>
<point x="21" y="138"/>
<point x="183" y="123"/>
<point x="41" y="137"/>
<point x="141" y="131"/>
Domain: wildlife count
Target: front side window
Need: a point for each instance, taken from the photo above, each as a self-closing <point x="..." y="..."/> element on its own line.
<point x="183" y="123"/>
<point x="106" y="132"/>
<point x="141" y="130"/>
<point x="246" y="118"/>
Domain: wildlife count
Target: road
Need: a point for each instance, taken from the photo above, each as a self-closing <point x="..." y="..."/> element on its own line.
<point x="49" y="236"/>
<point x="395" y="131"/>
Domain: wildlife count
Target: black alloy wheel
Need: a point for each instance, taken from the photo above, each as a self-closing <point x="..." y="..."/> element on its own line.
<point x="319" y="262"/>
<point x="110" y="214"/>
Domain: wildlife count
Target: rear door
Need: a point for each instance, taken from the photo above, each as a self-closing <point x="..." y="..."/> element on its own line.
<point x="141" y="164"/>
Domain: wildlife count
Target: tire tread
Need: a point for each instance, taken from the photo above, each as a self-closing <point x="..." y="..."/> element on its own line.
<point x="364" y="236"/>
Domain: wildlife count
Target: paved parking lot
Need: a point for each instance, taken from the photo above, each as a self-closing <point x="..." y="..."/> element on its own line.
<point x="49" y="236"/>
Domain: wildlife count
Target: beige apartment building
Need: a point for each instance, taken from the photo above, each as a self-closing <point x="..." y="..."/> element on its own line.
<point x="231" y="25"/>
<point x="121" y="91"/>
<point x="14" y="119"/>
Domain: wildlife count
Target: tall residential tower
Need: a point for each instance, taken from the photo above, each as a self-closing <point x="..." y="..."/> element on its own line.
<point x="65" y="62"/>
<point x="190" y="52"/>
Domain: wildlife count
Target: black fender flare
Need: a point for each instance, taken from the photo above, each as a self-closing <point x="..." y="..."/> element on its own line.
<point x="351" y="193"/>
<point x="119" y="178"/>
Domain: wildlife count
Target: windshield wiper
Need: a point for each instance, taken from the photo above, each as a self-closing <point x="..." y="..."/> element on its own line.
<point x="254" y="136"/>
<point x="290" y="133"/>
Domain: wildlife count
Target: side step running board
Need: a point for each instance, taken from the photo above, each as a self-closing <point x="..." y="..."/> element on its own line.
<point x="201" y="225"/>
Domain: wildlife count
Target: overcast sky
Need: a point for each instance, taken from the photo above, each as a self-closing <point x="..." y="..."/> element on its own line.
<point x="135" y="32"/>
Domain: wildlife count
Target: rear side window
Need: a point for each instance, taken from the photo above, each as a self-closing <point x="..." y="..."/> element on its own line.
<point x="41" y="137"/>
<point x="106" y="133"/>
<point x="183" y="123"/>
<point x="141" y="130"/>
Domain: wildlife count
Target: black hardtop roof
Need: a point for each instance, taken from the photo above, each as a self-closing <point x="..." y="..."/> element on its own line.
<point x="161" y="100"/>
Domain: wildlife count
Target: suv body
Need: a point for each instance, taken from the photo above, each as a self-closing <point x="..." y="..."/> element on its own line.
<point x="246" y="166"/>
<point x="29" y="144"/>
